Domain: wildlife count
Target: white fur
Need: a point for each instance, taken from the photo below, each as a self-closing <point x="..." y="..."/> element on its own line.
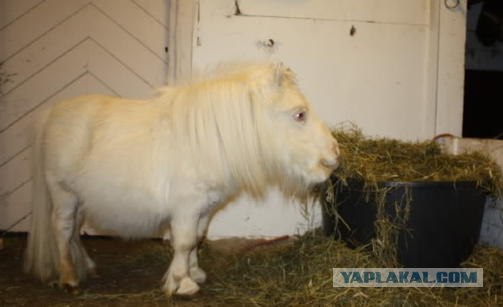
<point x="160" y="167"/>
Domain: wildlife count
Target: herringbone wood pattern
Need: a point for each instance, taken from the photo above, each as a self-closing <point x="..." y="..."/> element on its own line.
<point x="54" y="49"/>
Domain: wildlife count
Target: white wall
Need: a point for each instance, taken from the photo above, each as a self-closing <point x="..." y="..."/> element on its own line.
<point x="375" y="78"/>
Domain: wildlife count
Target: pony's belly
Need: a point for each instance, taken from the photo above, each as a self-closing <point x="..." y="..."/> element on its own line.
<point x="126" y="217"/>
<point x="134" y="224"/>
<point x="121" y="201"/>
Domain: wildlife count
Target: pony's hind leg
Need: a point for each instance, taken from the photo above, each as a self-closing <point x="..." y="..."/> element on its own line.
<point x="64" y="223"/>
<point x="89" y="263"/>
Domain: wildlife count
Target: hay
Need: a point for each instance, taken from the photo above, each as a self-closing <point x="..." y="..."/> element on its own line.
<point x="294" y="273"/>
<point x="381" y="159"/>
<point x="300" y="274"/>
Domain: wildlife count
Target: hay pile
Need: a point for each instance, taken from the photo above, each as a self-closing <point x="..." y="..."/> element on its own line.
<point x="377" y="160"/>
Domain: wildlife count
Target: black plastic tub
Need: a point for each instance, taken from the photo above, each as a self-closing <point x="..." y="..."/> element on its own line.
<point x="441" y="230"/>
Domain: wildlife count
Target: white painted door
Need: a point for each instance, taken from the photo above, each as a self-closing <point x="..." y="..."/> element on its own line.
<point x="53" y="49"/>
<point x="393" y="67"/>
<point x="376" y="63"/>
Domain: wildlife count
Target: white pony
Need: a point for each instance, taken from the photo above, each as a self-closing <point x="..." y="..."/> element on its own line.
<point x="147" y="168"/>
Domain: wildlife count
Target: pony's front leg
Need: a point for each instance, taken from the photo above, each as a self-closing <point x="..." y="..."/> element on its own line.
<point x="183" y="240"/>
<point x="197" y="274"/>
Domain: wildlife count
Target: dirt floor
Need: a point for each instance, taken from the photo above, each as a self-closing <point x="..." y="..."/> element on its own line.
<point x="130" y="274"/>
<point x="293" y="271"/>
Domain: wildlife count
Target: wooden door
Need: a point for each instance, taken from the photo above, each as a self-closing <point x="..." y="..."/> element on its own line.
<point x="393" y="67"/>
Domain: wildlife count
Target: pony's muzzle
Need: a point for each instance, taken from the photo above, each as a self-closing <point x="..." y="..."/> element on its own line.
<point x="332" y="163"/>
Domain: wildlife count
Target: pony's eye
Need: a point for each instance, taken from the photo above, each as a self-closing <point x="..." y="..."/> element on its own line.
<point x="300" y="116"/>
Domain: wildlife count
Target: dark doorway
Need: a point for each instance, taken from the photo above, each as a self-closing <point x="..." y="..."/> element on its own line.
<point x="483" y="103"/>
<point x="483" y="99"/>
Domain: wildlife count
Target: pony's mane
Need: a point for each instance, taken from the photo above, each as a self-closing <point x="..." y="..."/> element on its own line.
<point x="222" y="119"/>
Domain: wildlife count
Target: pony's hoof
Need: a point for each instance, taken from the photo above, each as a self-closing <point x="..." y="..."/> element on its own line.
<point x="69" y="285"/>
<point x="71" y="289"/>
<point x="53" y="283"/>
<point x="187" y="287"/>
<point x="198" y="275"/>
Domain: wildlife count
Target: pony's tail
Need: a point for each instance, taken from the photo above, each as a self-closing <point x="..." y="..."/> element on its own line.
<point x="41" y="258"/>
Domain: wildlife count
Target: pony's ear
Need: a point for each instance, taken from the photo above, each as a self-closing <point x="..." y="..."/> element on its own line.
<point x="279" y="73"/>
<point x="270" y="78"/>
<point x="282" y="73"/>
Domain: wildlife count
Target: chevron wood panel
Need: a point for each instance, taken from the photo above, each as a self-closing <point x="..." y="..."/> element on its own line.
<point x="16" y="208"/>
<point x="14" y="173"/>
<point x="55" y="49"/>
<point x="136" y="21"/>
<point x="34" y="24"/>
<point x="10" y="10"/>
<point x="139" y="57"/>
<point x="15" y="190"/>
<point x="151" y="8"/>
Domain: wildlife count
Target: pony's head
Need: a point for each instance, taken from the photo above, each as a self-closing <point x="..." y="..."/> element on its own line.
<point x="300" y="145"/>
<point x="251" y="126"/>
